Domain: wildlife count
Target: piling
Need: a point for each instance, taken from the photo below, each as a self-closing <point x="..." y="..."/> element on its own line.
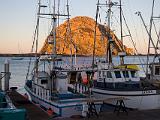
<point x="0" y="81"/>
<point x="7" y="75"/>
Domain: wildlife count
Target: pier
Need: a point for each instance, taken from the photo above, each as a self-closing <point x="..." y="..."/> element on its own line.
<point x="132" y="115"/>
<point x="34" y="112"/>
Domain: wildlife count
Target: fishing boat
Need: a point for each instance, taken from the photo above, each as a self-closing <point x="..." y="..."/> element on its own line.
<point x="47" y="84"/>
<point x="124" y="80"/>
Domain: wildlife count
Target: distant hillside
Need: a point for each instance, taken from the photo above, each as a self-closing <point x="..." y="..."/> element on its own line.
<point x="82" y="36"/>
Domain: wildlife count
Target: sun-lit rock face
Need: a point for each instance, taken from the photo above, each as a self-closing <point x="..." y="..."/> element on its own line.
<point x="81" y="37"/>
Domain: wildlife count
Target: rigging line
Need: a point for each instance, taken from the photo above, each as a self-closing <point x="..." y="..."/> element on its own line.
<point x="158" y="38"/>
<point x="28" y="70"/>
<point x="33" y="43"/>
<point x="120" y="43"/>
<point x="143" y="36"/>
<point x="103" y="9"/>
<point x="157" y="34"/>
<point x="132" y="18"/>
<point x="49" y="21"/>
<point x="49" y="5"/>
<point x="101" y="29"/>
<point x="134" y="45"/>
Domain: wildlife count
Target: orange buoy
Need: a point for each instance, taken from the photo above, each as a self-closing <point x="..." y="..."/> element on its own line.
<point x="85" y="81"/>
<point x="50" y="112"/>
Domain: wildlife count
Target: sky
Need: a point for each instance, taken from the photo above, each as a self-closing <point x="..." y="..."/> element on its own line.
<point x="18" y="19"/>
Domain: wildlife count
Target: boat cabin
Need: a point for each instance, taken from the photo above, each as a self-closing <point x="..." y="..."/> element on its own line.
<point x="118" y="78"/>
<point x="155" y="71"/>
<point x="42" y="79"/>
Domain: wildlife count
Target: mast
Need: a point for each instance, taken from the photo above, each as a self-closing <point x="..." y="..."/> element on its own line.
<point x="121" y="21"/>
<point x="149" y="42"/>
<point x="54" y="50"/>
<point x="54" y="18"/>
<point x="36" y="37"/>
<point x="95" y="34"/>
<point x="109" y="52"/>
<point x="121" y="29"/>
<point x="69" y="33"/>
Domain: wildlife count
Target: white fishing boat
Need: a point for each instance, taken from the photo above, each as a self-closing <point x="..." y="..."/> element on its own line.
<point x="123" y="80"/>
<point x="48" y="82"/>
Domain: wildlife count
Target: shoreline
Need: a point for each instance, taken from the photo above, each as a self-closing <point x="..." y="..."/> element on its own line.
<point x="33" y="54"/>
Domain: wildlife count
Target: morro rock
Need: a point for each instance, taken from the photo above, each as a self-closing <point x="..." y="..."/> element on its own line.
<point x="80" y="38"/>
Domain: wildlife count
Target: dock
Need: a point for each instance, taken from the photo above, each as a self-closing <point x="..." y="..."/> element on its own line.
<point x="34" y="112"/>
<point x="132" y="115"/>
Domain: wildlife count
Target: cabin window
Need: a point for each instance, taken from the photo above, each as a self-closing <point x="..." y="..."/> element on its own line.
<point x="44" y="81"/>
<point x="109" y="75"/>
<point x="125" y="74"/>
<point x="157" y="70"/>
<point x="117" y="74"/>
<point x="133" y="74"/>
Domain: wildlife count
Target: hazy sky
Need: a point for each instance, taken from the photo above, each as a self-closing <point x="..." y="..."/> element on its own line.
<point x="18" y="18"/>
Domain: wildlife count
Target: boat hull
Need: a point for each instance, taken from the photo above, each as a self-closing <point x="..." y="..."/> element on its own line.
<point x="148" y="99"/>
<point x="62" y="108"/>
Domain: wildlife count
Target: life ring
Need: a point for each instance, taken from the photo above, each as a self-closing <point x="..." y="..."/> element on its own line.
<point x="50" y="112"/>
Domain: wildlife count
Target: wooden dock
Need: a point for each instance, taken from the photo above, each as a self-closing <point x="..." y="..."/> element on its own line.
<point x="132" y="115"/>
<point x="34" y="112"/>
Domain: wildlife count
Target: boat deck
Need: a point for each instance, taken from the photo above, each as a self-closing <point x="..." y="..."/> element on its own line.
<point x="34" y="112"/>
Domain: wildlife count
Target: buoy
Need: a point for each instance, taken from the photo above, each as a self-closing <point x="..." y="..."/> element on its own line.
<point x="50" y="112"/>
<point x="85" y="81"/>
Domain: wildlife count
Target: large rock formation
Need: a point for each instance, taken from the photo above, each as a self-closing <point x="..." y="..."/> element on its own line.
<point x="81" y="38"/>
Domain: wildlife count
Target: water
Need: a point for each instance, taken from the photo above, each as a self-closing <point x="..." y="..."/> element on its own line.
<point x="18" y="68"/>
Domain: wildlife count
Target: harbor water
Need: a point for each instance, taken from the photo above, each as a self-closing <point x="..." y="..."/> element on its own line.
<point x="18" y="68"/>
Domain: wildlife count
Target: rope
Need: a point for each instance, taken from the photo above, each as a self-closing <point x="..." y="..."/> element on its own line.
<point x="134" y="45"/>
<point x="33" y="43"/>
